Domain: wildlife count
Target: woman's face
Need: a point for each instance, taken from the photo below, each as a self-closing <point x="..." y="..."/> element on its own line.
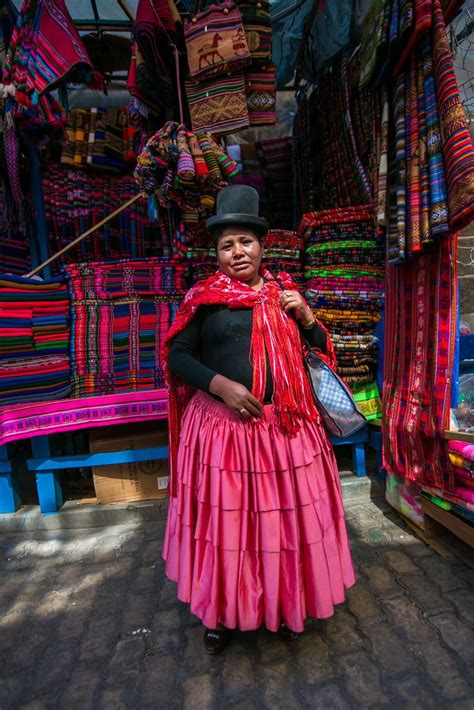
<point x="239" y="253"/>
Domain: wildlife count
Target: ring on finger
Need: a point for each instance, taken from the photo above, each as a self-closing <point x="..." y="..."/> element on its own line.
<point x="242" y="411"/>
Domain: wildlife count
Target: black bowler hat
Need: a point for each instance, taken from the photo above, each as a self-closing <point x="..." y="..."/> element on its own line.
<point x="238" y="204"/>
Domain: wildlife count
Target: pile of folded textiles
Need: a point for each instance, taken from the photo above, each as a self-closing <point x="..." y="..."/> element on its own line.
<point x="202" y="253"/>
<point x="76" y="199"/>
<point x="283" y="252"/>
<point x="461" y="456"/>
<point x="121" y="312"/>
<point x="34" y="340"/>
<point x="344" y="270"/>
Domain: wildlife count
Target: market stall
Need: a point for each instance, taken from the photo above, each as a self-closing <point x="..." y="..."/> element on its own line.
<point x="365" y="200"/>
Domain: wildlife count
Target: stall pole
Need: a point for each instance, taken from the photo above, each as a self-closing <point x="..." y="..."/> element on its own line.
<point x="38" y="203"/>
<point x="85" y="234"/>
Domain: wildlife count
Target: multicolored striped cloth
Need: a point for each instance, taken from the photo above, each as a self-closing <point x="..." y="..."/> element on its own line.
<point x="45" y="49"/>
<point x="284" y="252"/>
<point x="421" y="315"/>
<point x="102" y="138"/>
<point x="184" y="169"/>
<point x="77" y="199"/>
<point x="458" y="150"/>
<point x="121" y="312"/>
<point x="34" y="340"/>
<point x="344" y="287"/>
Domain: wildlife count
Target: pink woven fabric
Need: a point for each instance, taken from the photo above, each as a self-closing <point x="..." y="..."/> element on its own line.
<point x="256" y="534"/>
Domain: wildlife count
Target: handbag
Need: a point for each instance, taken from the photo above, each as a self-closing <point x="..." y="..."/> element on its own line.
<point x="215" y="42"/>
<point x="258" y="28"/>
<point x="218" y="105"/>
<point x="260" y="90"/>
<point x="332" y="397"/>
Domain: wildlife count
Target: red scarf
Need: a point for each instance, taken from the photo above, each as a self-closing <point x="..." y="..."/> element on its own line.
<point x="273" y="332"/>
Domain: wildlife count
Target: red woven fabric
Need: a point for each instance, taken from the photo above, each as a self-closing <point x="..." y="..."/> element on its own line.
<point x="420" y="327"/>
<point x="458" y="150"/>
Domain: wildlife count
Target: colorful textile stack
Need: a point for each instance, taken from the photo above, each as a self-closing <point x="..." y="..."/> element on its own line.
<point x="102" y="138"/>
<point x="420" y="339"/>
<point x="76" y="199"/>
<point x="202" y="253"/>
<point x="121" y="312"/>
<point x="461" y="457"/>
<point x="184" y="168"/>
<point x="276" y="156"/>
<point x="34" y="340"/>
<point x="344" y="272"/>
<point x="283" y="252"/>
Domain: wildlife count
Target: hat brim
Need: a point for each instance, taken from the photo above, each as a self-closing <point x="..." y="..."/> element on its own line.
<point x="260" y="224"/>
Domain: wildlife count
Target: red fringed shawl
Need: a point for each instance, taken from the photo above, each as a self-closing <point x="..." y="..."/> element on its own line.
<point x="273" y="332"/>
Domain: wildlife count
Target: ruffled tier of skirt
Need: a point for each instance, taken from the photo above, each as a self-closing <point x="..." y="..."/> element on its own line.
<point x="256" y="534"/>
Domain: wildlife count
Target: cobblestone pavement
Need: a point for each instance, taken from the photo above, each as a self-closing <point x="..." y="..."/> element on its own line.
<point x="88" y="620"/>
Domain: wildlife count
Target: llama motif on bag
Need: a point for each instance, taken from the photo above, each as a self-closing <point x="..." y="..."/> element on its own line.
<point x="215" y="42"/>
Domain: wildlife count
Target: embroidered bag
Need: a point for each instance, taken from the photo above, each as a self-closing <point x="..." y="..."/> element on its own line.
<point x="218" y="105"/>
<point x="260" y="90"/>
<point x="258" y="28"/>
<point x="215" y="42"/>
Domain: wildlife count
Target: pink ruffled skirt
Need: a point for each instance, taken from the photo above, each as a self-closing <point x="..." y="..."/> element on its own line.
<point x="256" y="534"/>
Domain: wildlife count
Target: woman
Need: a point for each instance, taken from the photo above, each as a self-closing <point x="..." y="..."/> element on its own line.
<point x="256" y="531"/>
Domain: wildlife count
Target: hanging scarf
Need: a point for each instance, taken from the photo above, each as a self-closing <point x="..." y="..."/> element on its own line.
<point x="273" y="333"/>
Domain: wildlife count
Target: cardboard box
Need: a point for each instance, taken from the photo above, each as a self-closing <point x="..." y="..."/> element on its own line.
<point x="131" y="481"/>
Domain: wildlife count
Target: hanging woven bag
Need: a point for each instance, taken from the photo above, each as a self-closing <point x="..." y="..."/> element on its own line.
<point x="215" y="42"/>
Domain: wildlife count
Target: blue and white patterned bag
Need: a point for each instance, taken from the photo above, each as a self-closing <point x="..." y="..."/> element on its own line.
<point x="333" y="398"/>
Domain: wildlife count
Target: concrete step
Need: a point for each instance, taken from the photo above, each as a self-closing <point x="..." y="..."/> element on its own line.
<point x="74" y="515"/>
<point x="356" y="489"/>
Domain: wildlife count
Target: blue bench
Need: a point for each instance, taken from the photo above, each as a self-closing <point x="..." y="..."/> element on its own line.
<point x="357" y="441"/>
<point x="46" y="469"/>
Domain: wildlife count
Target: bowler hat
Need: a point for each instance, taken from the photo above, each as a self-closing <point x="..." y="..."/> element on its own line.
<point x="238" y="204"/>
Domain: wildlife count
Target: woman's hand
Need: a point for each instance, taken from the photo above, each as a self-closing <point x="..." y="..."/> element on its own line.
<point x="292" y="301"/>
<point x="236" y="396"/>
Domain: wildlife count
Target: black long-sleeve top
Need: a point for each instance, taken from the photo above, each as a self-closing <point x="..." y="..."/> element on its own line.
<point x="217" y="341"/>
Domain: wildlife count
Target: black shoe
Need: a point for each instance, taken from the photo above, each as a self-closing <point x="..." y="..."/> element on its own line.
<point x="287" y="633"/>
<point x="216" y="640"/>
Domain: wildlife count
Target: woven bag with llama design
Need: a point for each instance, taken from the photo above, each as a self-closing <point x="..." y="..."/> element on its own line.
<point x="215" y="42"/>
